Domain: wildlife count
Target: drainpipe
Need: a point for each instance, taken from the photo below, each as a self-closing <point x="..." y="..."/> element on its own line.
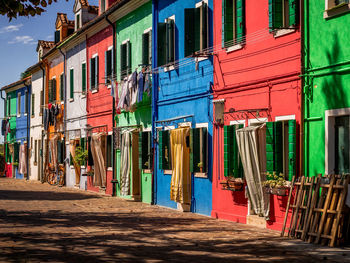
<point x="113" y="106"/>
<point x="42" y="132"/>
<point x="28" y="127"/>
<point x="302" y="123"/>
<point x="4" y="100"/>
<point x="65" y="105"/>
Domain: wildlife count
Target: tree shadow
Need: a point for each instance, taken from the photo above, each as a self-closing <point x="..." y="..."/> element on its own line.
<point x="20" y="195"/>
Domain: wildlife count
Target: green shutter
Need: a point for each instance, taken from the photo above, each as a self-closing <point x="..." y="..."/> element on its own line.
<point x="61" y="87"/>
<point x="122" y="61"/>
<point x="50" y="91"/>
<point x="33" y="102"/>
<point x="270" y="150"/>
<point x="240" y="23"/>
<point x="291" y="149"/>
<point x="170" y="33"/>
<point x="71" y="82"/>
<point x="227" y="23"/>
<point x="228" y="135"/>
<point x="194" y="149"/>
<point x="189" y="31"/>
<point x="145" y="49"/>
<point x="16" y="152"/>
<point x="234" y="157"/>
<point x="293" y="12"/>
<point x="140" y="150"/>
<point x="96" y="72"/>
<point x="204" y="146"/>
<point x="83" y="76"/>
<point x="204" y="27"/>
<point x="197" y="29"/>
<point x="149" y="150"/>
<point x="128" y="54"/>
<point x="278" y="147"/>
<point x="275" y="14"/>
<point x="91" y="75"/>
<point x="160" y="150"/>
<point x="54" y="90"/>
<point x="161" y="44"/>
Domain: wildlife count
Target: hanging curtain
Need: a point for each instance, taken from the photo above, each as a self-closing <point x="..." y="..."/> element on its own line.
<point x="180" y="188"/>
<point x="125" y="163"/>
<point x="252" y="149"/>
<point x="99" y="161"/>
<point x="53" y="150"/>
<point x="22" y="163"/>
<point x="72" y="147"/>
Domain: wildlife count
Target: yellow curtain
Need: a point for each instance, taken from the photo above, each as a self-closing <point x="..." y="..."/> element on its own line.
<point x="180" y="188"/>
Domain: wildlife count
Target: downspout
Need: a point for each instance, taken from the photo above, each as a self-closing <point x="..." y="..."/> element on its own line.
<point x="302" y="106"/>
<point x="4" y="100"/>
<point x="42" y="132"/>
<point x="305" y="87"/>
<point x="65" y="106"/>
<point x="154" y="99"/>
<point x="114" y="192"/>
<point x="28" y="127"/>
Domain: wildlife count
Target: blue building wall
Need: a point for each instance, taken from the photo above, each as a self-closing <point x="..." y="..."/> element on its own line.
<point x="21" y="122"/>
<point x="182" y="91"/>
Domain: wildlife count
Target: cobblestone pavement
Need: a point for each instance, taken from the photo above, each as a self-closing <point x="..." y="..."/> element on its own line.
<point x="42" y="223"/>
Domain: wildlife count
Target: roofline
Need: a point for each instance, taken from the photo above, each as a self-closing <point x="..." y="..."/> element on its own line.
<point x="15" y="83"/>
<point x="88" y="25"/>
<point x="31" y="68"/>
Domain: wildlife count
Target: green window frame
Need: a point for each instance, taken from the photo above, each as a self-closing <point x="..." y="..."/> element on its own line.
<point x="33" y="105"/>
<point x="233" y="22"/>
<point x="83" y="77"/>
<point x="145" y="150"/>
<point x="52" y="90"/>
<point x="18" y="103"/>
<point x="283" y="14"/>
<point x="196" y="29"/>
<point x="199" y="150"/>
<point x="9" y="106"/>
<point x="164" y="150"/>
<point x="166" y="42"/>
<point x="94" y="73"/>
<point x="71" y="83"/>
<point x="125" y="59"/>
<point x="62" y="86"/>
<point x="147" y="48"/>
<point x="232" y="160"/>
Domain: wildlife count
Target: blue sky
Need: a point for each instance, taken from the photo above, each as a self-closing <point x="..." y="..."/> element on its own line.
<point x="19" y="37"/>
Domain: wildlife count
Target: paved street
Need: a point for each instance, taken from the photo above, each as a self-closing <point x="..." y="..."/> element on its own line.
<point x="41" y="223"/>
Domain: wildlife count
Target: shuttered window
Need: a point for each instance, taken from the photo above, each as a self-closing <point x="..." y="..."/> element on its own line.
<point x="233" y="22"/>
<point x="145" y="150"/>
<point x="164" y="150"/>
<point x="52" y="90"/>
<point x="57" y="36"/>
<point x="18" y="103"/>
<point x="41" y="102"/>
<point x="71" y="83"/>
<point x="9" y="106"/>
<point x="83" y="77"/>
<point x="196" y="29"/>
<point x="16" y="152"/>
<point x="62" y="86"/>
<point x="232" y="161"/>
<point x="108" y="66"/>
<point x="283" y="14"/>
<point x="94" y="73"/>
<point x="36" y="152"/>
<point x="109" y="151"/>
<point x="125" y="59"/>
<point x="281" y="148"/>
<point x="33" y="104"/>
<point x="166" y="42"/>
<point x="147" y="48"/>
<point x="83" y="146"/>
<point x="26" y="102"/>
<point x="199" y="150"/>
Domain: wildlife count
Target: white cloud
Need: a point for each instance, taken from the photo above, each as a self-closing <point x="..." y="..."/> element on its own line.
<point x="10" y="28"/>
<point x="22" y="40"/>
<point x="49" y="37"/>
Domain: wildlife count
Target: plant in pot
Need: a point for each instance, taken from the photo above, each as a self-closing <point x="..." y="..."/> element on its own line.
<point x="275" y="184"/>
<point x="80" y="158"/>
<point x="232" y="183"/>
<point x="200" y="166"/>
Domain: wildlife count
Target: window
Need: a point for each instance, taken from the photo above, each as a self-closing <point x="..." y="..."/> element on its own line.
<point x="83" y="77"/>
<point x="62" y="87"/>
<point x="232" y="160"/>
<point x="147" y="48"/>
<point x="145" y="150"/>
<point x="164" y="150"/>
<point x="109" y="151"/>
<point x="77" y="21"/>
<point x="125" y="59"/>
<point x="52" y="90"/>
<point x="26" y="102"/>
<point x="281" y="148"/>
<point x="233" y="22"/>
<point x="36" y="152"/>
<point x="196" y="29"/>
<point x="71" y="83"/>
<point x="342" y="157"/>
<point x="94" y="73"/>
<point x="57" y="36"/>
<point x="83" y="146"/>
<point x="282" y="14"/>
<point x="166" y="42"/>
<point x="9" y="106"/>
<point x="108" y="66"/>
<point x="103" y="6"/>
<point x="33" y="105"/>
<point x="199" y="150"/>
<point x="18" y="103"/>
<point x="41" y="102"/>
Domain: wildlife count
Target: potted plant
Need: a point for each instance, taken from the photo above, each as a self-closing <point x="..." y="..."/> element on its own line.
<point x="232" y="183"/>
<point x="275" y="184"/>
<point x="80" y="158"/>
<point x="200" y="166"/>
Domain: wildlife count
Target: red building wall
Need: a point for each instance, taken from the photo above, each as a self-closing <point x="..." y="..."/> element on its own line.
<point x="99" y="104"/>
<point x="264" y="74"/>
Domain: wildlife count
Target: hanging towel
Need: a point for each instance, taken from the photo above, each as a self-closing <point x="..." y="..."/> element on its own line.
<point x="180" y="188"/>
<point x="140" y="85"/>
<point x="53" y="151"/>
<point x="125" y="163"/>
<point x="22" y="167"/>
<point x="99" y="162"/>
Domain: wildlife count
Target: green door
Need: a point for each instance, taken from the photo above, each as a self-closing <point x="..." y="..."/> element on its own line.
<point x="342" y="145"/>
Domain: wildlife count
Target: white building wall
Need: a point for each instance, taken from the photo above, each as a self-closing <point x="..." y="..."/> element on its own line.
<point x="76" y="108"/>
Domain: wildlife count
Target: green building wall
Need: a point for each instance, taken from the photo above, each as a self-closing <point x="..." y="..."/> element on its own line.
<point x="327" y="78"/>
<point x="131" y="27"/>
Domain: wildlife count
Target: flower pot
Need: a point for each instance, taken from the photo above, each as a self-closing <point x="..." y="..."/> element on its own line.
<point x="280" y="191"/>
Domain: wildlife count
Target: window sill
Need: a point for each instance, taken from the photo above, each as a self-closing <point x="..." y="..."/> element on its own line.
<point x="83" y="96"/>
<point x="19" y="116"/>
<point x="40" y="114"/>
<point x="169" y="68"/>
<point x="109" y="86"/>
<point x="283" y="32"/>
<point x="32" y="116"/>
<point x="201" y="175"/>
<point x="109" y="169"/>
<point x="337" y="10"/>
<point x="234" y="48"/>
<point x="35" y="163"/>
<point x="82" y="167"/>
<point x="71" y="100"/>
<point x="94" y="91"/>
<point x="168" y="172"/>
<point x="71" y="166"/>
<point x="147" y="171"/>
<point x="25" y="114"/>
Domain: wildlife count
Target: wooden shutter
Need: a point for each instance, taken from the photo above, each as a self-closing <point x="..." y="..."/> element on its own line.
<point x="83" y="76"/>
<point x="228" y="135"/>
<point x="150" y="47"/>
<point x="57" y="36"/>
<point x="293" y="12"/>
<point x="71" y="83"/>
<point x="16" y="152"/>
<point x="128" y="56"/>
<point x="204" y="43"/>
<point x="170" y="33"/>
<point x="122" y="60"/>
<point x="140" y="150"/>
<point x="50" y="91"/>
<point x="41" y="101"/>
<point x="235" y="162"/>
<point x="190" y="23"/>
<point x="160" y="150"/>
<point x="54" y="93"/>
<point x="161" y="44"/>
<point x="96" y="72"/>
<point x="149" y="150"/>
<point x="33" y="104"/>
<point x="90" y="158"/>
<point x="240" y="23"/>
<point x="275" y="14"/>
<point x="204" y="148"/>
<point x="278" y="147"/>
<point x="61" y="87"/>
<point x="291" y="149"/>
<point x="270" y="150"/>
<point x="106" y="67"/>
<point x="227" y="23"/>
<point x="145" y="48"/>
<point x="91" y="77"/>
